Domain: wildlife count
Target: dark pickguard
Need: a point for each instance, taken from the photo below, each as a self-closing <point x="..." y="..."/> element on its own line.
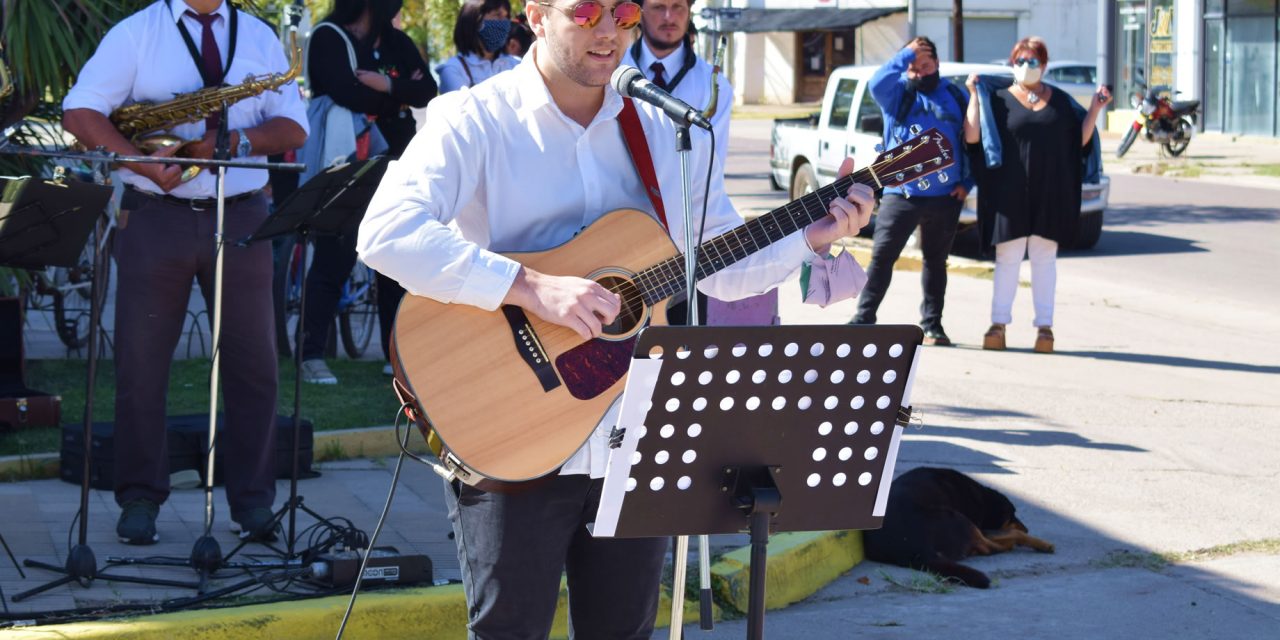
<point x="590" y="368"/>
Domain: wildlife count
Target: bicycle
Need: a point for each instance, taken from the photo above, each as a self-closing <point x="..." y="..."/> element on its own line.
<point x="357" y="312"/>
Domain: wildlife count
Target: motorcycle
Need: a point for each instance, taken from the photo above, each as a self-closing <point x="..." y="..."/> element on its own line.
<point x="1165" y="122"/>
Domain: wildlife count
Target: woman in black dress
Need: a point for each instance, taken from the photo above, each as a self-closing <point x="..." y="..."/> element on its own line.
<point x="1031" y="202"/>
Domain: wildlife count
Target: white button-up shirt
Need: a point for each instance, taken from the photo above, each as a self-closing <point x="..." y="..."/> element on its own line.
<point x="144" y="59"/>
<point x="500" y="167"/>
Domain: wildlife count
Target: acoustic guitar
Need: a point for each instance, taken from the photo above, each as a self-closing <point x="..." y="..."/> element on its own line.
<point x="503" y="396"/>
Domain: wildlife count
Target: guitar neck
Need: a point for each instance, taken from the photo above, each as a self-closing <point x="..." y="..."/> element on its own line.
<point x="667" y="278"/>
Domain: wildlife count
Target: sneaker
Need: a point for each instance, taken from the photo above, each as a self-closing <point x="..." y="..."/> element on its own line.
<point x="935" y="336"/>
<point x="137" y="524"/>
<point x="387" y="370"/>
<point x="257" y="524"/>
<point x="317" y="372"/>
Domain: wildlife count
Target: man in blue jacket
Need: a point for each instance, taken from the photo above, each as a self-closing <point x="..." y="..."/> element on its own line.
<point x="911" y="93"/>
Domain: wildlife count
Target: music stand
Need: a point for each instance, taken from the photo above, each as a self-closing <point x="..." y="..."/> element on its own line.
<point x="721" y="423"/>
<point x="331" y="203"/>
<point x="47" y="223"/>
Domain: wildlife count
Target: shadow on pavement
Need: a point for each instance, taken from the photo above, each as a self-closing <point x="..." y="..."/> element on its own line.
<point x="1186" y="214"/>
<point x="1173" y="361"/>
<point x="1024" y="437"/>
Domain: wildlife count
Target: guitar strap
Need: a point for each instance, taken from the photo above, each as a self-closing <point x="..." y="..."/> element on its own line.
<point x="638" y="147"/>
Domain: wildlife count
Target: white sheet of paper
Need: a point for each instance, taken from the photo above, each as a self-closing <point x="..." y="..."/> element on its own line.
<point x="637" y="397"/>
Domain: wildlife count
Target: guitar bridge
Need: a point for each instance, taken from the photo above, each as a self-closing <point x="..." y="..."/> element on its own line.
<point x="530" y="348"/>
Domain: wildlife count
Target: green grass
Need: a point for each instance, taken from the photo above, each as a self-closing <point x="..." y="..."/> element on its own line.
<point x="1272" y="170"/>
<point x="363" y="397"/>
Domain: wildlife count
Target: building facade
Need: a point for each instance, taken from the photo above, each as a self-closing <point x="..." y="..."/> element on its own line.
<point x="784" y="50"/>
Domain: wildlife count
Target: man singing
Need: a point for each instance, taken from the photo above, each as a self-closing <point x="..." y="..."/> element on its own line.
<point x="174" y="47"/>
<point x="523" y="162"/>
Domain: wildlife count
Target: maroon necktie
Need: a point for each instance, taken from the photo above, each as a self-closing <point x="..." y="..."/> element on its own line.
<point x="210" y="58"/>
<point x="659" y="73"/>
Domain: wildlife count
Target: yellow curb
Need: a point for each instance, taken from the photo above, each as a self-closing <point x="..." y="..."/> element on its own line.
<point x="427" y="612"/>
<point x="799" y="564"/>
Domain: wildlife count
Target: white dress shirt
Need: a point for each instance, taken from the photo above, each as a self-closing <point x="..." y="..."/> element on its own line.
<point x="453" y="75"/>
<point x="144" y="59"/>
<point x="694" y="88"/>
<point x="501" y="168"/>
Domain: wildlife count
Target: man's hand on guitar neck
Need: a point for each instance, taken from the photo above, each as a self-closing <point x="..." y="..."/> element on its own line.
<point x="582" y="305"/>
<point x="845" y="216"/>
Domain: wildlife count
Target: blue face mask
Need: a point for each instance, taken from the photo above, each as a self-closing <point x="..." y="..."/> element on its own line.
<point x="493" y="34"/>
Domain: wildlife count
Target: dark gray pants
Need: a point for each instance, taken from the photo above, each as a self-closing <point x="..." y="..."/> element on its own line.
<point x="160" y="250"/>
<point x="514" y="548"/>
<point x="896" y="219"/>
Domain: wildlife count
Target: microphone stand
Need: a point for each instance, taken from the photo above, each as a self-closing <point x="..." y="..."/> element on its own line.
<point x="206" y="554"/>
<point x="683" y="146"/>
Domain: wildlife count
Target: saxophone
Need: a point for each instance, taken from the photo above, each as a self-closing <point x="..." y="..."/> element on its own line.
<point x="143" y="123"/>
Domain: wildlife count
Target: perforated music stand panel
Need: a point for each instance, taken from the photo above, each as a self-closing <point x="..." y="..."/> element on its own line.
<point x="815" y="406"/>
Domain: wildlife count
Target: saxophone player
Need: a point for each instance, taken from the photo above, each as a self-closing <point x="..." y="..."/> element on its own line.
<point x="175" y="47"/>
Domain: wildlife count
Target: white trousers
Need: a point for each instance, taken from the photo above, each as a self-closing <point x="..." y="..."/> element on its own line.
<point x="1043" y="254"/>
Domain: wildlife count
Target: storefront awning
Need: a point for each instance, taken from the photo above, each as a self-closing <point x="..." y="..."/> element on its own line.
<point x="759" y="20"/>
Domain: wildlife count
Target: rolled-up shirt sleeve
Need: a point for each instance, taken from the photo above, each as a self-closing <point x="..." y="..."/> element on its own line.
<point x="407" y="234"/>
<point x="106" y="79"/>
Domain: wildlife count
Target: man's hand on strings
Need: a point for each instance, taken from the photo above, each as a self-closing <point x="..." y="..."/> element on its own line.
<point x="845" y="216"/>
<point x="577" y="303"/>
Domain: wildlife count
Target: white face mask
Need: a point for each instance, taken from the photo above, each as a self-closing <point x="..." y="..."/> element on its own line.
<point x="1025" y="75"/>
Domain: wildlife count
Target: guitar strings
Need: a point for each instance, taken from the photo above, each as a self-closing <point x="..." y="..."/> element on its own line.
<point x="632" y="290"/>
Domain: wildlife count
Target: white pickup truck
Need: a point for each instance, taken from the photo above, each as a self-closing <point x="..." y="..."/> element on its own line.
<point x="807" y="152"/>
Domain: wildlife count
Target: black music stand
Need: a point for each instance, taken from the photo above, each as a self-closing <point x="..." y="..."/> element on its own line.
<point x="331" y="203"/>
<point x="721" y="423"/>
<point x="46" y="223"/>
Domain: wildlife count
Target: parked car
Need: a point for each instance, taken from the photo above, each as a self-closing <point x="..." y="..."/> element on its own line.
<point x="1078" y="79"/>
<point x="805" y="153"/>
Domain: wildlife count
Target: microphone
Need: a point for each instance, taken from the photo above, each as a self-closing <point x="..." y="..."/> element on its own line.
<point x="630" y="82"/>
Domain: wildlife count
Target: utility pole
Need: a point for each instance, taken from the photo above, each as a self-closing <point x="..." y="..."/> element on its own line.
<point x="957" y="30"/>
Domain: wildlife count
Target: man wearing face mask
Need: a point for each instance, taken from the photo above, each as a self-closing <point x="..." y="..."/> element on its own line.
<point x="910" y="92"/>
<point x="480" y="36"/>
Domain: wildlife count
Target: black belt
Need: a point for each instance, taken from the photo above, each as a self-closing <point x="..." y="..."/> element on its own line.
<point x="197" y="204"/>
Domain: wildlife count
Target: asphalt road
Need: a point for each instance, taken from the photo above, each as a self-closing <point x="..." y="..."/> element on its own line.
<point x="1151" y="431"/>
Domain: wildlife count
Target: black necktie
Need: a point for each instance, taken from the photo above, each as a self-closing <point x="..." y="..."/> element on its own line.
<point x="659" y="74"/>
<point x="210" y="57"/>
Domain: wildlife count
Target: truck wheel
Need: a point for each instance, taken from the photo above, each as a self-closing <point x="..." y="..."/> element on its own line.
<point x="804" y="181"/>
<point x="1088" y="230"/>
<point x="773" y="182"/>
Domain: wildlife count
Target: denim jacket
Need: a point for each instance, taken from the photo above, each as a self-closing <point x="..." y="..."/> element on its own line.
<point x="993" y="151"/>
<point x="937" y="108"/>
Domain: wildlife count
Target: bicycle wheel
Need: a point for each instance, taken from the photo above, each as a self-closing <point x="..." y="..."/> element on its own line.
<point x="70" y="289"/>
<point x="287" y="288"/>
<point x="358" y="310"/>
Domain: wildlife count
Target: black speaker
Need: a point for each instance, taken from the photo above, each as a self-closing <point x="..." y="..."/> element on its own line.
<point x="188" y="438"/>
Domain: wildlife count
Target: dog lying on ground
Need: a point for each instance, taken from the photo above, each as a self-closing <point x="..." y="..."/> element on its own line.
<point x="937" y="517"/>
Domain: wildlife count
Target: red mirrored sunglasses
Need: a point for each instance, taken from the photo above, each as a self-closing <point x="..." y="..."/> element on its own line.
<point x="587" y="14"/>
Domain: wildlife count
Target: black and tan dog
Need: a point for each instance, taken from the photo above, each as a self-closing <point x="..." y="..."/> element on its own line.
<point x="937" y="517"/>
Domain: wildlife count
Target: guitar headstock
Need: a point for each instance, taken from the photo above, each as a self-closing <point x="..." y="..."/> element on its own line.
<point x="914" y="159"/>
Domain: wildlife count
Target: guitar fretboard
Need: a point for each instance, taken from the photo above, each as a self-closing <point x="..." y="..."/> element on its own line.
<point x="667" y="278"/>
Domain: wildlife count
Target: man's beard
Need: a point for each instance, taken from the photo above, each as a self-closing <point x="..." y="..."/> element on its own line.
<point x="924" y="84"/>
<point x="656" y="42"/>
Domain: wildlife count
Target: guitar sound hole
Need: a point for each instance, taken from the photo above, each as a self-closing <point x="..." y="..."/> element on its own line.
<point x="632" y="314"/>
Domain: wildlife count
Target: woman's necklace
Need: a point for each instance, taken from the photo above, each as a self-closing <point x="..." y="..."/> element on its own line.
<point x="1033" y="96"/>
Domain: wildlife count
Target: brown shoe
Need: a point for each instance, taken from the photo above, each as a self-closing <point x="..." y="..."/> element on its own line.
<point x="1044" y="340"/>
<point x="993" y="340"/>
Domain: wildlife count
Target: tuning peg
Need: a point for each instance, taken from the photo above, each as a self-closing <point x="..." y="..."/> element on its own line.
<point x="915" y="130"/>
<point x="923" y="183"/>
<point x="901" y="176"/>
<point x="919" y="168"/>
<point x="942" y="177"/>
